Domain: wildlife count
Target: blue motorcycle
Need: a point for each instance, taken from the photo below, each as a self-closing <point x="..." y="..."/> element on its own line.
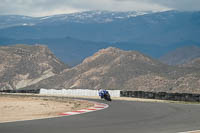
<point x="104" y="94"/>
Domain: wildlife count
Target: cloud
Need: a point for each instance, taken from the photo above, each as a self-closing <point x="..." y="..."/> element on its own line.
<point x="36" y="7"/>
<point x="49" y="7"/>
<point x="184" y="5"/>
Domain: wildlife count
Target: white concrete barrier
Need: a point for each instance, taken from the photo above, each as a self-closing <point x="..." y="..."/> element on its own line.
<point x="78" y="92"/>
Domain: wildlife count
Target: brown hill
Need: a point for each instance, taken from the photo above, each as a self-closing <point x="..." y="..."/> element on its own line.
<point x="23" y="65"/>
<point x="113" y="68"/>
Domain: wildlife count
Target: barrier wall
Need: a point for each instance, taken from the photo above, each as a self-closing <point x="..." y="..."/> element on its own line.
<point x="78" y="92"/>
<point x="115" y="93"/>
<point x="162" y="96"/>
<point x="21" y="91"/>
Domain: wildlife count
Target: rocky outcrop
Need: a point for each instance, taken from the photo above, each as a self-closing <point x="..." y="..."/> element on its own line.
<point x="25" y="65"/>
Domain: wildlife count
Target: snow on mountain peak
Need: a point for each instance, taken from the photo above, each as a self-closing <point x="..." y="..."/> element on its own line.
<point x="96" y="16"/>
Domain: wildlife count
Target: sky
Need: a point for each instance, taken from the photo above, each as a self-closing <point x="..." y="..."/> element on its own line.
<point x="39" y="8"/>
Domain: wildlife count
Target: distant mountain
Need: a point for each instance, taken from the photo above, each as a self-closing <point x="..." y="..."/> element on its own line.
<point x="163" y="28"/>
<point x="112" y="68"/>
<point x="7" y="21"/>
<point x="23" y="65"/>
<point x="73" y="37"/>
<point x="81" y="17"/>
<point x="181" y="55"/>
<point x="96" y="16"/>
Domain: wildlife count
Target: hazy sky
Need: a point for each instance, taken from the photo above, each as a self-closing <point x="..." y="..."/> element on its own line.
<point x="50" y="7"/>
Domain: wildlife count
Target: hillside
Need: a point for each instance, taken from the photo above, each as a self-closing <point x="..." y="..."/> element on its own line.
<point x="181" y="55"/>
<point x="195" y="63"/>
<point x="24" y="65"/>
<point x="113" y="68"/>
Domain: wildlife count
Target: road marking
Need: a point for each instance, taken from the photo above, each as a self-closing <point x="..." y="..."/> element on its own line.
<point x="195" y="131"/>
<point x="91" y="109"/>
<point x="96" y="107"/>
<point x="79" y="111"/>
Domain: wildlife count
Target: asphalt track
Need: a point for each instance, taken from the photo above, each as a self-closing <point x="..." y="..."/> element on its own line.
<point x="120" y="117"/>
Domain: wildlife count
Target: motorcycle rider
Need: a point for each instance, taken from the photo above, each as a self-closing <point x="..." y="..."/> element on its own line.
<point x="102" y="93"/>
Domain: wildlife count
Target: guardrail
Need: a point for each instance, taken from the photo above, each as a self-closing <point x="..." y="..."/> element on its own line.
<point x="115" y="93"/>
<point x="78" y="92"/>
<point x="37" y="91"/>
<point x="162" y="96"/>
<point x="68" y="92"/>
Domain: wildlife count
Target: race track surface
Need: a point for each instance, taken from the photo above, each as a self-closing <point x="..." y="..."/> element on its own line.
<point x="120" y="117"/>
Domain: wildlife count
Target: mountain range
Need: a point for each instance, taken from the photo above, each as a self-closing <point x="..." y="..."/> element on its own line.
<point x="81" y="17"/>
<point x="152" y="33"/>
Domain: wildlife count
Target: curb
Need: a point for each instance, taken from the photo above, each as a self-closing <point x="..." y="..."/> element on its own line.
<point x="96" y="107"/>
